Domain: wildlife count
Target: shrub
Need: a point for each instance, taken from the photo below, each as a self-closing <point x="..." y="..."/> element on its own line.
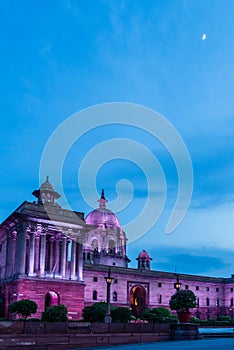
<point x="95" y="312"/>
<point x="121" y="314"/>
<point x="156" y="315"/>
<point x="23" y="308"/>
<point x="55" y="314"/>
<point x="224" y="318"/>
<point x="194" y="319"/>
<point x="171" y="319"/>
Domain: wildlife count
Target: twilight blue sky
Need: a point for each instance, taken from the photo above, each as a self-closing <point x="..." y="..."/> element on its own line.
<point x="59" y="57"/>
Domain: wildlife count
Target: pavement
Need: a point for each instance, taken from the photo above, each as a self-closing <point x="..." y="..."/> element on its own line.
<point x="201" y="344"/>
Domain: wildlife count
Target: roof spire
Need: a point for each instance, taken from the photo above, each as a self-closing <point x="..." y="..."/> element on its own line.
<point x="103" y="194"/>
<point x="102" y="200"/>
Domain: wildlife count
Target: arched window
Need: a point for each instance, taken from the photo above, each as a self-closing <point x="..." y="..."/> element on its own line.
<point x="160" y="299"/>
<point x="197" y="302"/>
<point x="115" y="296"/>
<point x="94" y="243"/>
<point x="94" y="295"/>
<point x="51" y="299"/>
<point x="217" y="302"/>
<point x="111" y="244"/>
<point x="231" y="302"/>
<point x="207" y="302"/>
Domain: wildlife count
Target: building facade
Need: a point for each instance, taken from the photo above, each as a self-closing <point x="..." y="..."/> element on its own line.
<point x="56" y="256"/>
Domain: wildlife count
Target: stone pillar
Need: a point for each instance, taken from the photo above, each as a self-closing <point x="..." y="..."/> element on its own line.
<point x="8" y="253"/>
<point x="73" y="260"/>
<point x="36" y="251"/>
<point x="80" y="262"/>
<point x="42" y="253"/>
<point x="31" y="253"/>
<point x="13" y="256"/>
<point x="22" y="247"/>
<point x="51" y="254"/>
<point x="63" y="256"/>
<point x="57" y="255"/>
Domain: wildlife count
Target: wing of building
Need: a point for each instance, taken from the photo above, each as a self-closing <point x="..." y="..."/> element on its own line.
<point x="56" y="256"/>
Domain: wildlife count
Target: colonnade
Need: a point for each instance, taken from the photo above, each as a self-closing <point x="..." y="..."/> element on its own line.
<point x="38" y="251"/>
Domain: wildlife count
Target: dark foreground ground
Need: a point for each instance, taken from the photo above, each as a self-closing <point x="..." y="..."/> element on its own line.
<point x="214" y="344"/>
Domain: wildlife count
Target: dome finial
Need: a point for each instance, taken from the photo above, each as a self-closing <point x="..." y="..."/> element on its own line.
<point x="102" y="200"/>
<point x="103" y="194"/>
<point x="47" y="178"/>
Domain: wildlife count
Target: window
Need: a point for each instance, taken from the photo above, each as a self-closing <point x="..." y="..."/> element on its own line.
<point x="217" y="302"/>
<point x="197" y="287"/>
<point x="186" y="286"/>
<point x="160" y="299"/>
<point x="231" y="289"/>
<point x="115" y="281"/>
<point x="231" y="302"/>
<point x="95" y="279"/>
<point x="207" y="302"/>
<point x="197" y="302"/>
<point x="94" y="295"/>
<point x="217" y="289"/>
<point x="115" y="296"/>
<point x="207" y="289"/>
<point x="159" y="284"/>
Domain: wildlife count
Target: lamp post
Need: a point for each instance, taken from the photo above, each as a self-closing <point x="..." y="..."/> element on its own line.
<point x="109" y="280"/>
<point x="177" y="285"/>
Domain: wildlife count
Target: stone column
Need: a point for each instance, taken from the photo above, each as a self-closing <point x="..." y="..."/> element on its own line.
<point x="51" y="254"/>
<point x="73" y="260"/>
<point x="31" y="253"/>
<point x="80" y="262"/>
<point x="42" y="253"/>
<point x="36" y="251"/>
<point x="8" y="253"/>
<point x="22" y="247"/>
<point x="57" y="255"/>
<point x="63" y="256"/>
<point x="13" y="257"/>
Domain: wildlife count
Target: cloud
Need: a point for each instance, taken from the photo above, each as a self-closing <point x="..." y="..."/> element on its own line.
<point x="206" y="262"/>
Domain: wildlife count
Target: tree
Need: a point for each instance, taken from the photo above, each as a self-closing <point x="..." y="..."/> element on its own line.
<point x="183" y="300"/>
<point x="95" y="312"/>
<point x="121" y="314"/>
<point x="55" y="314"/>
<point x="23" y="308"/>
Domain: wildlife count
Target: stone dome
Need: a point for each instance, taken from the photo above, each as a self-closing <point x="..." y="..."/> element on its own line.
<point x="47" y="186"/>
<point x="144" y="255"/>
<point x="102" y="216"/>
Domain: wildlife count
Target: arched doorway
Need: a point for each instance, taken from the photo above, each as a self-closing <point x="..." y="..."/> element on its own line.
<point x="51" y="299"/>
<point x="138" y="300"/>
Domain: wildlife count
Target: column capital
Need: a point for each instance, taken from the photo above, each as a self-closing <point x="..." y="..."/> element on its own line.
<point x="13" y="235"/>
<point x="37" y="234"/>
<point x="58" y="237"/>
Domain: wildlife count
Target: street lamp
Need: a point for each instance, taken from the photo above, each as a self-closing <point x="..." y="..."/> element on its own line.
<point x="109" y="280"/>
<point x="177" y="285"/>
